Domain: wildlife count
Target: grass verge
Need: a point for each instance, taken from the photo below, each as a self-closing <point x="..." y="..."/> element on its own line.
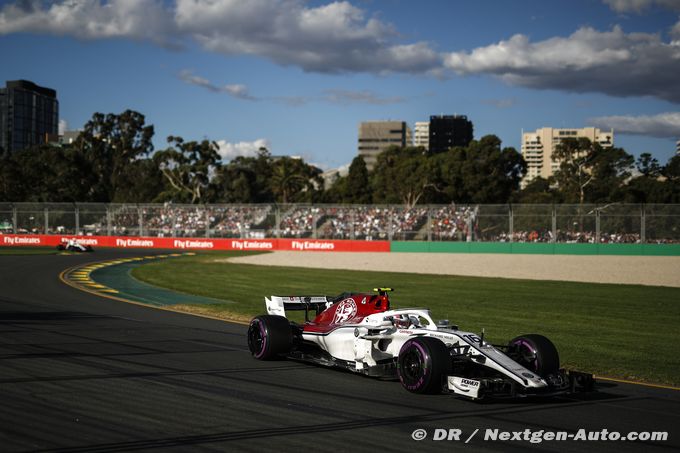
<point x="624" y="331"/>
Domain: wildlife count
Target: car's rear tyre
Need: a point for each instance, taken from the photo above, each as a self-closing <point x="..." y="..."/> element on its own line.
<point x="61" y="247"/>
<point x="269" y="336"/>
<point x="535" y="353"/>
<point x="422" y="365"/>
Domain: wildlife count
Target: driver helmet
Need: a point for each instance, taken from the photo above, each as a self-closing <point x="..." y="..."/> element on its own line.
<point x="401" y="321"/>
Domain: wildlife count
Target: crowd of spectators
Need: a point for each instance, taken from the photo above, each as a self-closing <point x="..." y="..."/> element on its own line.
<point x="454" y="223"/>
<point x="300" y="221"/>
<point x="373" y="223"/>
<point x="439" y="223"/>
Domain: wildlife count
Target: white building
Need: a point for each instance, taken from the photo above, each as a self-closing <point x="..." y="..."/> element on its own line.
<point x="377" y="136"/>
<point x="421" y="134"/>
<point x="538" y="147"/>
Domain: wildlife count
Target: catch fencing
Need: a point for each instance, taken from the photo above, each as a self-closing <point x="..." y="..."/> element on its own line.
<point x="531" y="223"/>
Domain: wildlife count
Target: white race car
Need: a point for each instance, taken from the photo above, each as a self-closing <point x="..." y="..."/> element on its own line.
<point x="359" y="332"/>
<point x="72" y="245"/>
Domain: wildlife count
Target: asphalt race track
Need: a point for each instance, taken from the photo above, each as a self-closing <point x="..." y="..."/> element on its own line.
<point x="83" y="373"/>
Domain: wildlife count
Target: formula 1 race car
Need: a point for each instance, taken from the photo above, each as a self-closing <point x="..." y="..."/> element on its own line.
<point x="359" y="332"/>
<point x="74" y="246"/>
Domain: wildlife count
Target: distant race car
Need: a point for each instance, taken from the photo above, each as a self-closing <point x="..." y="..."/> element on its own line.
<point x="359" y="332"/>
<point x="74" y="246"/>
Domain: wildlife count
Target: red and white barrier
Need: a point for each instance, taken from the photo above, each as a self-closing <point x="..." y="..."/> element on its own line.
<point x="306" y="245"/>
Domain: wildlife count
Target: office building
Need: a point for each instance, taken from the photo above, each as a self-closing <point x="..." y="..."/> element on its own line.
<point x="29" y="115"/>
<point x="448" y="131"/>
<point x="538" y="148"/>
<point x="376" y="136"/>
<point x="421" y="134"/>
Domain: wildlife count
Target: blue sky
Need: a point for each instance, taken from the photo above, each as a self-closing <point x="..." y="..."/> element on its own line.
<point x="298" y="77"/>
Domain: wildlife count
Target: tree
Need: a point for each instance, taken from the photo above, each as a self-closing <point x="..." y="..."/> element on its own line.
<point x="672" y="169"/>
<point x="187" y="168"/>
<point x="491" y="173"/>
<point x="538" y="191"/>
<point x="111" y="143"/>
<point x="44" y="173"/>
<point x="293" y="180"/>
<point x="245" y="179"/>
<point x="575" y="171"/>
<point x="483" y="172"/>
<point x="403" y="175"/>
<point x="648" y="165"/>
<point x="357" y="186"/>
<point x="611" y="168"/>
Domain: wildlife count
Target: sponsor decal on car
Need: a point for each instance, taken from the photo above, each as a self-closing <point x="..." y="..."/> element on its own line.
<point x="346" y="310"/>
<point x="81" y="241"/>
<point x="463" y="386"/>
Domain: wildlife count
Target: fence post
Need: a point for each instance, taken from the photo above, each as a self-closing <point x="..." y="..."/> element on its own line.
<point x="173" y="219"/>
<point x="390" y="225"/>
<point x="351" y="223"/>
<point x="511" y="223"/>
<point x="597" y="225"/>
<point x="469" y="228"/>
<point x="429" y="224"/>
<point x="108" y="220"/>
<point x="77" y="220"/>
<point x="207" y="220"/>
<point x="141" y="221"/>
<point x="278" y="221"/>
<point x="14" y="219"/>
<point x="47" y="221"/>
<point x="554" y="223"/>
<point x="643" y="226"/>
<point x="315" y="218"/>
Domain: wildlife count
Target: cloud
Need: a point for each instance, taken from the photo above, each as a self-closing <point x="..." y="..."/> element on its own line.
<point x="230" y="151"/>
<point x="91" y="19"/>
<point x="675" y="31"/>
<point x="339" y="37"/>
<point x="237" y="91"/>
<point x="333" y="38"/>
<point x="610" y="62"/>
<point x="637" y="6"/>
<point x="663" y="125"/>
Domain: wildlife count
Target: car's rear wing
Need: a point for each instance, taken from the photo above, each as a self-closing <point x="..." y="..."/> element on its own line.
<point x="277" y="305"/>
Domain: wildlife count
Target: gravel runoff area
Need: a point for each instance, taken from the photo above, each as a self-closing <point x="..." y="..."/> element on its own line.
<point x="635" y="270"/>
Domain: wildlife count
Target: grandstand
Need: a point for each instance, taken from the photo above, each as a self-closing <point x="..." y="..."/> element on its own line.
<point x="613" y="223"/>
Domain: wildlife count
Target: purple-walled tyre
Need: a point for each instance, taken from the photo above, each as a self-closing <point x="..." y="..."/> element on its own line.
<point x="535" y="353"/>
<point x="422" y="365"/>
<point x="269" y="336"/>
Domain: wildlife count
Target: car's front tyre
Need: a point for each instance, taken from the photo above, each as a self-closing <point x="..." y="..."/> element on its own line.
<point x="535" y="353"/>
<point x="422" y="365"/>
<point x="269" y="336"/>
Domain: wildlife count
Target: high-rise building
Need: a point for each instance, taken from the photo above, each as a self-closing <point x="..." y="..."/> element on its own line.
<point x="421" y="134"/>
<point x="29" y="115"/>
<point x="538" y="148"/>
<point x="376" y="136"/>
<point x="447" y="131"/>
<point x="677" y="147"/>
